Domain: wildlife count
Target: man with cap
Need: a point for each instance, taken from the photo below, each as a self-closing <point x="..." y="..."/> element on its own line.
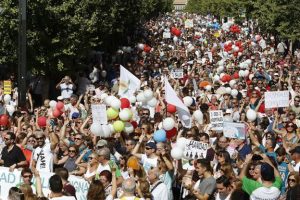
<point x="295" y="153"/>
<point x="269" y="188"/>
<point x="149" y="158"/>
<point x="101" y="144"/>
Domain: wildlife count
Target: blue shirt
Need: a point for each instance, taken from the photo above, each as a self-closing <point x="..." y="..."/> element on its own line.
<point x="284" y="172"/>
<point x="271" y="154"/>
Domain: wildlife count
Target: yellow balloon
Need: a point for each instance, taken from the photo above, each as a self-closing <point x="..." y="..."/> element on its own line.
<point x="112" y="113"/>
<point x="118" y="126"/>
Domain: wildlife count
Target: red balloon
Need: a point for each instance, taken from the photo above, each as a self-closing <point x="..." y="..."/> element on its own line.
<point x="177" y="32"/>
<point x="236" y="75"/>
<point x="134" y="124"/>
<point x="4" y="120"/>
<point x="173" y="30"/>
<point x="226" y="78"/>
<point x="60" y="105"/>
<point x="147" y="48"/>
<point x="56" y="113"/>
<point x="125" y="103"/>
<point x="171" y="108"/>
<point x="171" y="133"/>
<point x="42" y="121"/>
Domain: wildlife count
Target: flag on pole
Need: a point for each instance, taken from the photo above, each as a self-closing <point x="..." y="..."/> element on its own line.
<point x="129" y="83"/>
<point x="183" y="111"/>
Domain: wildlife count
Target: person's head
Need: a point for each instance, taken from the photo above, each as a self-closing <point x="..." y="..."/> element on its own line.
<point x="105" y="177"/>
<point x="145" y="188"/>
<point x="239" y="194"/>
<point x="93" y="159"/>
<point x="223" y="186"/>
<point x="55" y="184"/>
<point x="78" y="139"/>
<point x="223" y="157"/>
<point x="290" y="127"/>
<point x="145" y="113"/>
<point x="159" y="147"/>
<point x="204" y="137"/>
<point x="15" y="193"/>
<point x="295" y="153"/>
<point x="128" y="187"/>
<point x="153" y="175"/>
<point x="130" y="144"/>
<point x="27" y="175"/>
<point x="104" y="155"/>
<point x="74" y="99"/>
<point x="31" y="142"/>
<point x="27" y="191"/>
<point x="63" y="173"/>
<point x="96" y="190"/>
<point x="146" y="127"/>
<point x="297" y="101"/>
<point x="150" y="148"/>
<point x="267" y="172"/>
<point x="270" y="143"/>
<point x="9" y="138"/>
<point x="73" y="151"/>
<point x="223" y="142"/>
<point x="293" y="179"/>
<point x="40" y="138"/>
<point x="203" y="166"/>
<point x="281" y="153"/>
<point x="257" y="172"/>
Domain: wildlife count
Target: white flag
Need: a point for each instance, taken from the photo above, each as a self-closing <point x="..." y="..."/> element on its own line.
<point x="183" y="111"/>
<point x="129" y="83"/>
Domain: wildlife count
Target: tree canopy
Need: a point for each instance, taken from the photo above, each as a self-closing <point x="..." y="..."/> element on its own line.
<point x="58" y="32"/>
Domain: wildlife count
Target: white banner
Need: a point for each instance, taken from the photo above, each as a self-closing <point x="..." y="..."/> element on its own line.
<point x="11" y="179"/>
<point x="166" y="35"/>
<point x="277" y="99"/>
<point x="177" y="73"/>
<point x="128" y="84"/>
<point x="195" y="150"/>
<point x="234" y="130"/>
<point x="216" y="119"/>
<point x="99" y="113"/>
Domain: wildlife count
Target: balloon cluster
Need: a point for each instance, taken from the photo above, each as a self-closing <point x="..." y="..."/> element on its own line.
<point x="175" y="31"/>
<point x="178" y="149"/>
<point x="235" y="29"/>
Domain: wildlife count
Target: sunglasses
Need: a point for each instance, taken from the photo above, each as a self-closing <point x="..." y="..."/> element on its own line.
<point x="72" y="151"/>
<point x="6" y="139"/>
<point x="148" y="148"/>
<point x="290" y="125"/>
<point x="145" y="113"/>
<point x="27" y="176"/>
<point x="99" y="147"/>
<point x="292" y="180"/>
<point x="77" y="138"/>
<point x="39" y="138"/>
<point x="251" y="168"/>
<point x="31" y="141"/>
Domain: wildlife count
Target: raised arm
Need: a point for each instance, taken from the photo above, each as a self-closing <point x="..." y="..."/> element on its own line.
<point x="245" y="167"/>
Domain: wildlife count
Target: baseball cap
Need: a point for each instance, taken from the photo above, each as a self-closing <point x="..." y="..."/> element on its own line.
<point x="101" y="143"/>
<point x="151" y="145"/>
<point x="295" y="150"/>
<point x="75" y="115"/>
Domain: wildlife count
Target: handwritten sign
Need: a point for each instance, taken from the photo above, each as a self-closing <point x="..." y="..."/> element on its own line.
<point x="195" y="150"/>
<point x="7" y="87"/>
<point x="277" y="99"/>
<point x="99" y="113"/>
<point x="11" y="179"/>
<point x="188" y="23"/>
<point x="234" y="130"/>
<point x="177" y="73"/>
<point x="216" y="119"/>
<point x="166" y="35"/>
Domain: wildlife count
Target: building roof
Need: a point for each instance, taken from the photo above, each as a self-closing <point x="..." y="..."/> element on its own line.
<point x="180" y="2"/>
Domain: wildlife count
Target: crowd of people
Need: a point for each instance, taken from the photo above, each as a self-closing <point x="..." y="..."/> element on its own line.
<point x="218" y="65"/>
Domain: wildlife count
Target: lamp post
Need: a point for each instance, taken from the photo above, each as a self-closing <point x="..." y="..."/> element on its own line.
<point x="22" y="42"/>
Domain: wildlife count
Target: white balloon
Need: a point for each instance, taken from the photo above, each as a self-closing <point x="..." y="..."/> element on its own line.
<point x="188" y="101"/>
<point x="241" y="73"/>
<point x="220" y="69"/>
<point x="234" y="92"/>
<point x="125" y="114"/>
<point x="251" y="76"/>
<point x="52" y="104"/>
<point x="141" y="46"/>
<point x="221" y="75"/>
<point x="216" y="77"/>
<point x="232" y="83"/>
<point x="108" y="100"/>
<point x="251" y="115"/>
<point x="168" y="123"/>
<point x="221" y="90"/>
<point x="11" y="109"/>
<point x="128" y="128"/>
<point x="116" y="104"/>
<point x="175" y="39"/>
<point x="198" y="115"/>
<point x="181" y="142"/>
<point x="248" y="61"/>
<point x="148" y="94"/>
<point x="208" y="87"/>
<point x="236" y="49"/>
<point x="106" y="132"/>
<point x="132" y="99"/>
<point x="141" y="97"/>
<point x="152" y="102"/>
<point x="103" y="96"/>
<point x="6" y="98"/>
<point x="228" y="90"/>
<point x="177" y="153"/>
<point x="112" y="130"/>
<point x="221" y="63"/>
<point x="246" y="72"/>
<point x="96" y="129"/>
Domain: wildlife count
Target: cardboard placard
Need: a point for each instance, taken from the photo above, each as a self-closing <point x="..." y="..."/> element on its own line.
<point x="7" y="87"/>
<point x="195" y="150"/>
<point x="216" y="119"/>
<point x="277" y="99"/>
<point x="166" y="35"/>
<point x="177" y="73"/>
<point x="234" y="130"/>
<point x="99" y="113"/>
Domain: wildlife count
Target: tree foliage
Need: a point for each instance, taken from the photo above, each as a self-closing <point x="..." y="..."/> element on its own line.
<point x="59" y="32"/>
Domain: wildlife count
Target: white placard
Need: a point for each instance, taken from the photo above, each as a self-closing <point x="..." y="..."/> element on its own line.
<point x="195" y="150"/>
<point x="216" y="119"/>
<point x="234" y="130"/>
<point x="277" y="99"/>
<point x="99" y="113"/>
<point x="11" y="179"/>
<point x="188" y="23"/>
<point x="166" y="35"/>
<point x="177" y="73"/>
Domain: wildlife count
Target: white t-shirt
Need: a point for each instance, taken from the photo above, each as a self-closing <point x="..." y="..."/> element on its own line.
<point x="160" y="192"/>
<point x="66" y="90"/>
<point x="44" y="158"/>
<point x="103" y="167"/>
<point x="265" y="193"/>
<point x="296" y="167"/>
<point x="148" y="162"/>
<point x="64" y="198"/>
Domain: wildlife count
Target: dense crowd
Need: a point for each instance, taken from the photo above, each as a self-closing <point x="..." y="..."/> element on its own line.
<point x="141" y="152"/>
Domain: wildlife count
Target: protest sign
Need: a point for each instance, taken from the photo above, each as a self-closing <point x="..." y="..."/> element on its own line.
<point x="189" y="23"/>
<point x="7" y="87"/>
<point x="99" y="113"/>
<point x="11" y="179"/>
<point x="277" y="99"/>
<point x="216" y="119"/>
<point x="177" y="73"/>
<point x="234" y="130"/>
<point x="195" y="150"/>
<point x="166" y="35"/>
